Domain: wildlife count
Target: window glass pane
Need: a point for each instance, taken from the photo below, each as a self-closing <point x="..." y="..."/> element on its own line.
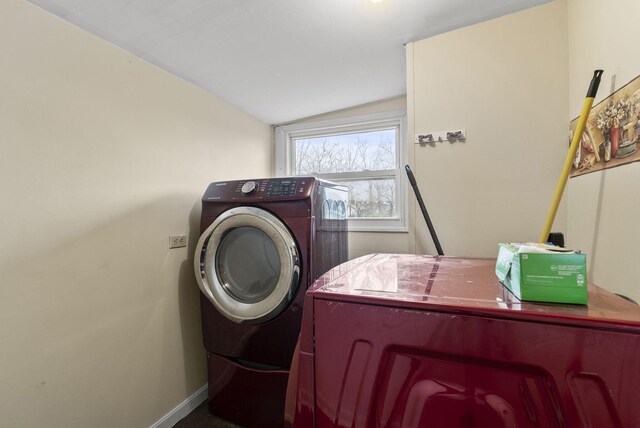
<point x="360" y="151"/>
<point x="371" y="198"/>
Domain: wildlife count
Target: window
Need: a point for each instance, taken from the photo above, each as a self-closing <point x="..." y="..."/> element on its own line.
<point x="365" y="153"/>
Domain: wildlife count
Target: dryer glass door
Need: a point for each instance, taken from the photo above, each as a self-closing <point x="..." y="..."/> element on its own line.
<point x="248" y="282"/>
<point x="247" y="265"/>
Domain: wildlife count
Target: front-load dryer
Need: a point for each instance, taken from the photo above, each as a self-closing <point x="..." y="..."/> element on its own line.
<point x="263" y="242"/>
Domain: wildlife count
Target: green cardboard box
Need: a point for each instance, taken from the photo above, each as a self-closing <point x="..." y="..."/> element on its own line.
<point x="543" y="277"/>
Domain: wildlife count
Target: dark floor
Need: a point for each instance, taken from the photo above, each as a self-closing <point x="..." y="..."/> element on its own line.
<point x="201" y="418"/>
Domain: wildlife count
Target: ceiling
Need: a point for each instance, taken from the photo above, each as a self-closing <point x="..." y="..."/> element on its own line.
<point x="279" y="60"/>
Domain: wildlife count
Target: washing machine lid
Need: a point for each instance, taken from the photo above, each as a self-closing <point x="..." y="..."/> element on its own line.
<point x="247" y="264"/>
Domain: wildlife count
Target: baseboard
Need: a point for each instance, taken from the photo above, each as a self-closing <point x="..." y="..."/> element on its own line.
<point x="182" y="409"/>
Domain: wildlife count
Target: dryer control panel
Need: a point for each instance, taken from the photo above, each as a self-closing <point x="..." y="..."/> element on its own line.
<point x="282" y="187"/>
<point x="285" y="188"/>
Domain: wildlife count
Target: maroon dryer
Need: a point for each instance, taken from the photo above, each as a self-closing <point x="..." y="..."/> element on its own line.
<point x="262" y="243"/>
<point x="420" y="341"/>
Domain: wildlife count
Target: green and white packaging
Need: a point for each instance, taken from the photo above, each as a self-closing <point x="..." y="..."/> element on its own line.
<point x="543" y="273"/>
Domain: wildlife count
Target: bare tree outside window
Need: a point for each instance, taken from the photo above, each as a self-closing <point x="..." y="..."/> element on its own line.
<point x="355" y="152"/>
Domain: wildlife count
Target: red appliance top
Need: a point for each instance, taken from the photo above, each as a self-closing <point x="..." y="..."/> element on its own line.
<point x="463" y="285"/>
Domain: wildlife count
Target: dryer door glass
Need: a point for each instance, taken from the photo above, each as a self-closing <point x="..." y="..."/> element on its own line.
<point x="248" y="264"/>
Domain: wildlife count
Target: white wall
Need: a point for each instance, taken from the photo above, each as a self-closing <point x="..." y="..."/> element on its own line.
<point x="505" y="82"/>
<point x="362" y="243"/>
<point x="603" y="206"/>
<point x="102" y="156"/>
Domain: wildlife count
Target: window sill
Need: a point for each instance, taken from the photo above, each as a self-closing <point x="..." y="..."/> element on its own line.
<point x="369" y="229"/>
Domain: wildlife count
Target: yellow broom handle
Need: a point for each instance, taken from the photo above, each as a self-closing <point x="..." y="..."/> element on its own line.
<point x="577" y="136"/>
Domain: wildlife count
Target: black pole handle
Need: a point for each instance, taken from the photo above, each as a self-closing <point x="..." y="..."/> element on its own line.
<point x="595" y="82"/>
<point x="412" y="180"/>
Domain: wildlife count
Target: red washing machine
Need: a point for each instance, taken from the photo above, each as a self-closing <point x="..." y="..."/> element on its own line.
<point x="262" y="243"/>
<point x="420" y="341"/>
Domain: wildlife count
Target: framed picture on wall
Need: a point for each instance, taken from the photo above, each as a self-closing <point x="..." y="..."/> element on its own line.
<point x="612" y="133"/>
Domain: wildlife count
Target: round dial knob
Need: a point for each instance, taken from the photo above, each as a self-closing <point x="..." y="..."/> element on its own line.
<point x="249" y="187"/>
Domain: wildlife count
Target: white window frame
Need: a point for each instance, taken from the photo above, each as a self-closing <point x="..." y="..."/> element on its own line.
<point x="284" y="160"/>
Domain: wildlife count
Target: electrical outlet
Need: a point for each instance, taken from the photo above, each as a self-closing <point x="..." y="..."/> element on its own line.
<point x="177" y="241"/>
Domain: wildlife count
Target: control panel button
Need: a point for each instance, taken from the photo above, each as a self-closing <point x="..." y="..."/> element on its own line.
<point x="249" y="187"/>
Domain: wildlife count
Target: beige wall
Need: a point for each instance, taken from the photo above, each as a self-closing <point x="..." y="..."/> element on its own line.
<point x="505" y="82"/>
<point x="102" y="156"/>
<point x="603" y="206"/>
<point x="390" y="104"/>
<point x="362" y="243"/>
